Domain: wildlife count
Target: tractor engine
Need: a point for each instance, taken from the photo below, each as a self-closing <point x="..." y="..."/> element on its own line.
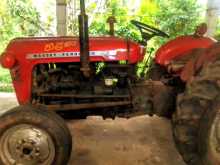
<point x="63" y="83"/>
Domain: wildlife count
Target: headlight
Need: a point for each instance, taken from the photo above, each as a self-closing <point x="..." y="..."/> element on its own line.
<point x="7" y="60"/>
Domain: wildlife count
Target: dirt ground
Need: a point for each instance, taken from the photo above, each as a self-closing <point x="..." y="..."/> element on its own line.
<point x="138" y="141"/>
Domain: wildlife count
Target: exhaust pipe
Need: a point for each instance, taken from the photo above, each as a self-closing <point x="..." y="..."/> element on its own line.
<point x="84" y="40"/>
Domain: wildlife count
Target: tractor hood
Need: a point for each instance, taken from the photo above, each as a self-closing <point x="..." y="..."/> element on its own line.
<point x="67" y="49"/>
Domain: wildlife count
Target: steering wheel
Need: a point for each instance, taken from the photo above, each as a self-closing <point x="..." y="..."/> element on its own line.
<point x="148" y="31"/>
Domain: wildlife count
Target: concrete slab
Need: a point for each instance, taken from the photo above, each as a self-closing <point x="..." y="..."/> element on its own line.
<point x="7" y="101"/>
<point x="138" y="141"/>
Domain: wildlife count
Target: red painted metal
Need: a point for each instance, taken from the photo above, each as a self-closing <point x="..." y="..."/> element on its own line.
<point x="21" y="49"/>
<point x="179" y="47"/>
<point x="7" y="60"/>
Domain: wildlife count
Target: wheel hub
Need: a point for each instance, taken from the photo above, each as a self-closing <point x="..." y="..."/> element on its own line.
<point x="214" y="140"/>
<point x="25" y="144"/>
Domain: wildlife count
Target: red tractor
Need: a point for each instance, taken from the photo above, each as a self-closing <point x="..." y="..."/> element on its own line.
<point x="86" y="76"/>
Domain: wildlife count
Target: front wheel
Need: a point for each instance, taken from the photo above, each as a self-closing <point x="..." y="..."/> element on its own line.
<point x="33" y="136"/>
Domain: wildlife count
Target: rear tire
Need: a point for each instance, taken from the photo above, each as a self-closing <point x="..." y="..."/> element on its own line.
<point x="33" y="136"/>
<point x="196" y="115"/>
<point x="210" y="135"/>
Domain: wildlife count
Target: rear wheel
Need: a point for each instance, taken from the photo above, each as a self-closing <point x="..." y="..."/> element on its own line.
<point x="196" y="121"/>
<point x="210" y="135"/>
<point x="33" y="136"/>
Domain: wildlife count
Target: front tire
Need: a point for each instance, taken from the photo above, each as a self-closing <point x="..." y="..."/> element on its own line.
<point x="33" y="136"/>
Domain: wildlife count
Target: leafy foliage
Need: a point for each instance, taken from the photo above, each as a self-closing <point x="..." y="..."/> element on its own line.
<point x="178" y="17"/>
<point x="5" y="81"/>
<point x="17" y="18"/>
<point x="217" y="34"/>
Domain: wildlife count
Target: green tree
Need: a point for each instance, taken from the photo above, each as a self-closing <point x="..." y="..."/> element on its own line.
<point x="17" y="18"/>
<point x="178" y="17"/>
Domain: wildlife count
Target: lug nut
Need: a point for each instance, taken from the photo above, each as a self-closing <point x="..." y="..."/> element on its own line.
<point x="14" y="163"/>
<point x="38" y="134"/>
<point x="37" y="154"/>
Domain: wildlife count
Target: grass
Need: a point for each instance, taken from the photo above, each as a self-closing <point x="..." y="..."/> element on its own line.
<point x="5" y="81"/>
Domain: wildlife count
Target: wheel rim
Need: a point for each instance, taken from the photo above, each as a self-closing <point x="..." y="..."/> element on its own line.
<point x="214" y="141"/>
<point x="27" y="145"/>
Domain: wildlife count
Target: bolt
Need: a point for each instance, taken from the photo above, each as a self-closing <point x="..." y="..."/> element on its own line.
<point x="29" y="157"/>
<point x="18" y="147"/>
<point x="37" y="154"/>
<point x="22" y="141"/>
<point x="38" y="134"/>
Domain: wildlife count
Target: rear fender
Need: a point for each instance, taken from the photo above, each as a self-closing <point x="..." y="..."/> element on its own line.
<point x="180" y="47"/>
<point x="194" y="65"/>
